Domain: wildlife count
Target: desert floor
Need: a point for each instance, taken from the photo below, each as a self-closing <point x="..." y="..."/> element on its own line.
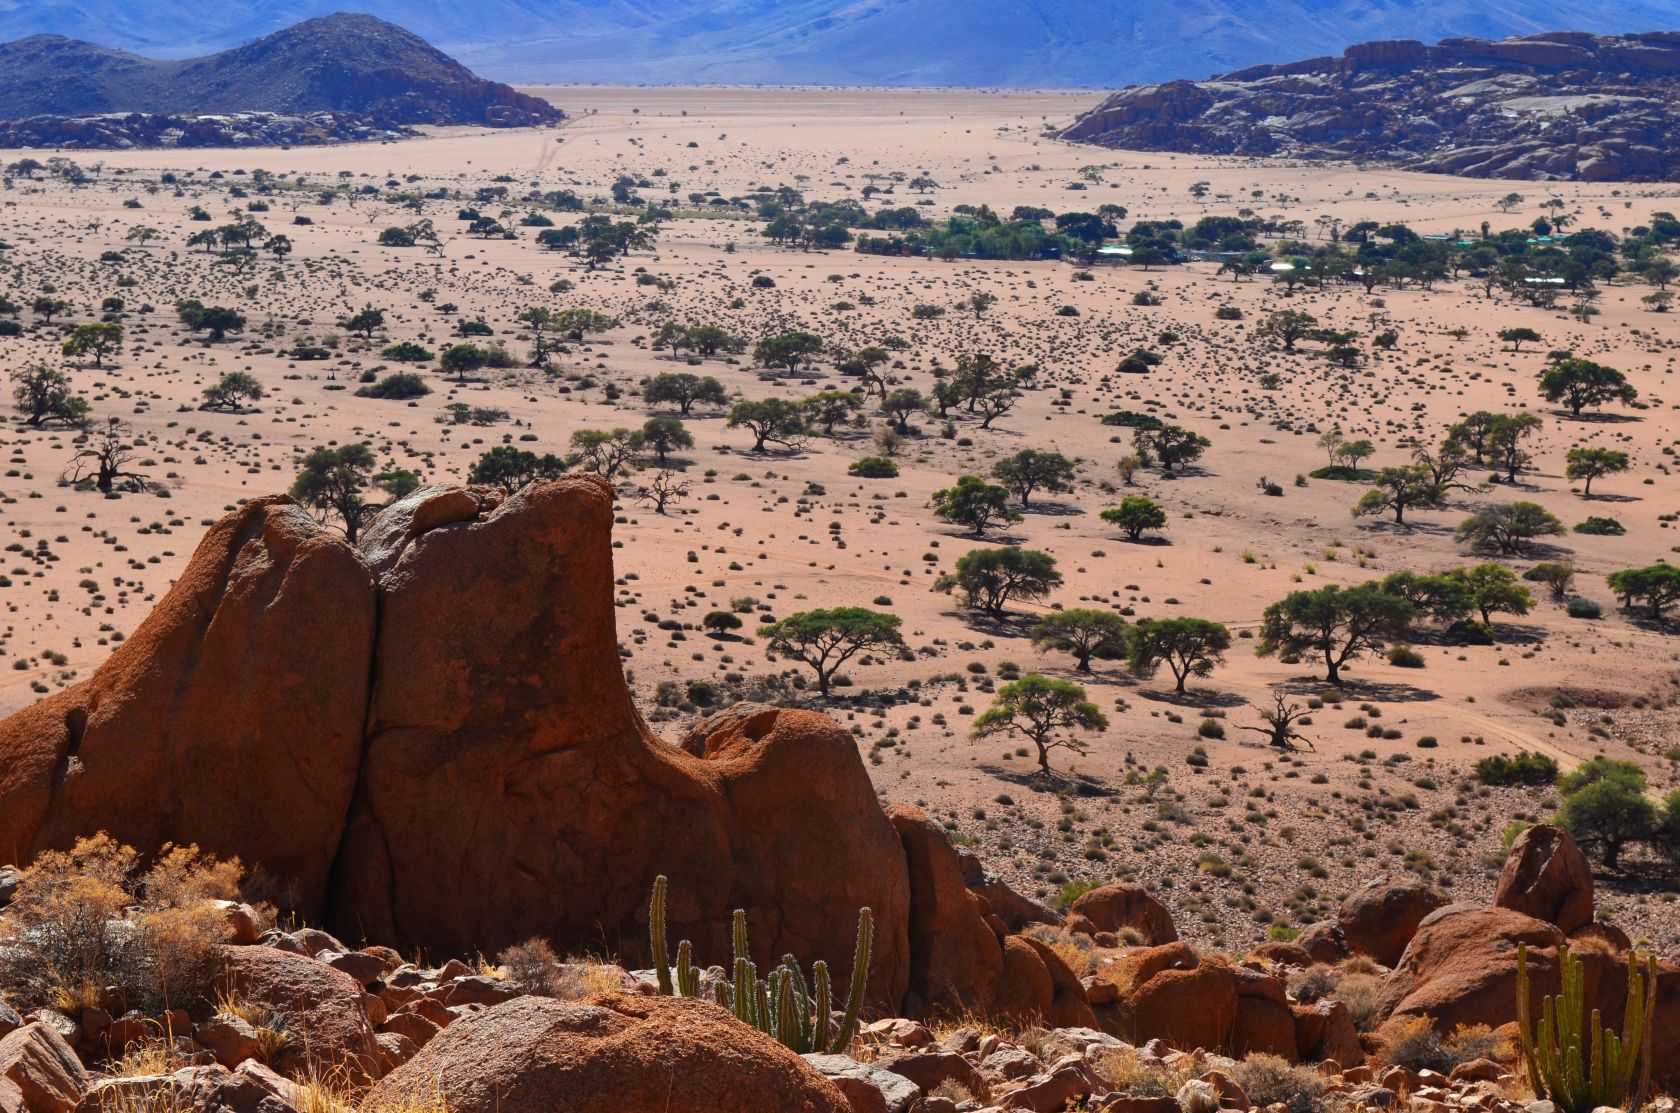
<point x="1253" y="838"/>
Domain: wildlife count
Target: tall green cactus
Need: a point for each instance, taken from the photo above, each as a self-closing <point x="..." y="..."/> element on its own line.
<point x="784" y="1005"/>
<point x="1581" y="1068"/>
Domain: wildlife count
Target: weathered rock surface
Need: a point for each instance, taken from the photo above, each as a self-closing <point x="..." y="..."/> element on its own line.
<point x="1118" y="907"/>
<point x="1547" y="877"/>
<point x="232" y="718"/>
<point x="1561" y="105"/>
<point x="321" y="1008"/>
<point x="609" y="1054"/>
<point x="1380" y="917"/>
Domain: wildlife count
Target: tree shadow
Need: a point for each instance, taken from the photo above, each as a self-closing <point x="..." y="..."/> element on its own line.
<point x="1382" y="691"/>
<point x="1611" y="498"/>
<point x="1054" y="509"/>
<point x="1194" y="697"/>
<point x="1036" y="780"/>
<point x="1010" y="624"/>
<point x="1599" y="417"/>
<point x="1407" y="528"/>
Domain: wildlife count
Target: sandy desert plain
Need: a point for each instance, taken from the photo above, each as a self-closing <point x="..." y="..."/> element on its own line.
<point x="1253" y="838"/>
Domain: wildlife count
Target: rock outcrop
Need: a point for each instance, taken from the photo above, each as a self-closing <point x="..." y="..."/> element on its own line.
<point x="609" y="1054"/>
<point x="453" y="761"/>
<point x="1547" y="877"/>
<point x="232" y="718"/>
<point x="1381" y="917"/>
<point x="1560" y="105"/>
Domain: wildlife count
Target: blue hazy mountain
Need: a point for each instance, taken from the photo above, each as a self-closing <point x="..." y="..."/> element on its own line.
<point x="1087" y="43"/>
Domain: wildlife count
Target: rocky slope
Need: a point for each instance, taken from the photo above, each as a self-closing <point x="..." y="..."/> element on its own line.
<point x="350" y="65"/>
<point x="1557" y="105"/>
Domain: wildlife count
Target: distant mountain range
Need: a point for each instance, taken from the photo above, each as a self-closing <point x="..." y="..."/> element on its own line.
<point x="1557" y="105"/>
<point x="348" y="64"/>
<point x="1063" y="43"/>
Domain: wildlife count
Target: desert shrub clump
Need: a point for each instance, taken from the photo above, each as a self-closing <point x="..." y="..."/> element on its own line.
<point x="1268" y="1079"/>
<point x="1524" y="769"/>
<point x="91" y="917"/>
<point x="1416" y="1045"/>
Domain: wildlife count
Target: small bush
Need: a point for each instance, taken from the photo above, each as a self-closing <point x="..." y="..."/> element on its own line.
<point x="1271" y="1078"/>
<point x="1583" y="608"/>
<point x="1416" y="1045"/>
<point x="1601" y="527"/>
<point x="88" y="918"/>
<point x="398" y="387"/>
<point x="873" y="467"/>
<point x="1405" y="657"/>
<point x="1524" y="769"/>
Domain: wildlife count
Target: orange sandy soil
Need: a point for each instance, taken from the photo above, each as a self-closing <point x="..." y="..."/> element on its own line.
<point x="795" y="532"/>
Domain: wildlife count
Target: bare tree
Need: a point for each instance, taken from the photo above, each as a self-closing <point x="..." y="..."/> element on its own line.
<point x="667" y="487"/>
<point x="1280" y="723"/>
<point x="103" y="458"/>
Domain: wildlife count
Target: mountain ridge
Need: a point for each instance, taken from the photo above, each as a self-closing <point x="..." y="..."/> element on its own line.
<point x="344" y="63"/>
<point x="1562" y="105"/>
<point x="1075" y="43"/>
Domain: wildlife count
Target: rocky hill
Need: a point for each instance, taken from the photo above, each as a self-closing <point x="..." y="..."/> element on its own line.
<point x="1561" y="105"/>
<point x="348" y="65"/>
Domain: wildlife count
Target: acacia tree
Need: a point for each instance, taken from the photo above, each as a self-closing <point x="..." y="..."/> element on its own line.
<point x="1508" y="526"/>
<point x="771" y="421"/>
<point x="1516" y="336"/>
<point x="900" y="405"/>
<point x="826" y="639"/>
<point x="788" y="350"/>
<point x="234" y="389"/>
<point x="1187" y="646"/>
<point x="684" y="390"/>
<point x="511" y="468"/>
<point x="366" y="322"/>
<point x="604" y="452"/>
<point x="1398" y="489"/>
<point x="974" y="503"/>
<point x="1591" y="463"/>
<point x="1084" y="632"/>
<point x="98" y="340"/>
<point x="1506" y="435"/>
<point x="1029" y="470"/>
<point x="1046" y="711"/>
<point x="1579" y="383"/>
<point x="1491" y="587"/>
<point x="1287" y="327"/>
<point x="1656" y="585"/>
<point x="1135" y="514"/>
<point x="990" y="578"/>
<point x="332" y="481"/>
<point x="43" y="395"/>
<point x="1172" y="445"/>
<point x="830" y="408"/>
<point x="461" y="360"/>
<point x="665" y="435"/>
<point x="1335" y="622"/>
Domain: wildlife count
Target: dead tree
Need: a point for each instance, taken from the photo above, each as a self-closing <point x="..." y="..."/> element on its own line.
<point x="103" y="459"/>
<point x="1280" y="729"/>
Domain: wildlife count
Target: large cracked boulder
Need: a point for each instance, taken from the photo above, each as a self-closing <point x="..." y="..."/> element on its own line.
<point x="608" y="1054"/>
<point x="1120" y="907"/>
<point x="1547" y="877"/>
<point x="232" y="718"/>
<point x="511" y="789"/>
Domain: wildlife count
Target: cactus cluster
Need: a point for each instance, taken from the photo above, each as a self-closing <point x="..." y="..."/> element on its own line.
<point x="784" y="1005"/>
<point x="1579" y="1067"/>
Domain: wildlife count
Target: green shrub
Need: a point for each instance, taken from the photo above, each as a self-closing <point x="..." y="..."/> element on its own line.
<point x="1405" y="657"/>
<point x="1583" y="608"/>
<point x="1601" y="527"/>
<point x="1524" y="769"/>
<point x="873" y="467"/>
